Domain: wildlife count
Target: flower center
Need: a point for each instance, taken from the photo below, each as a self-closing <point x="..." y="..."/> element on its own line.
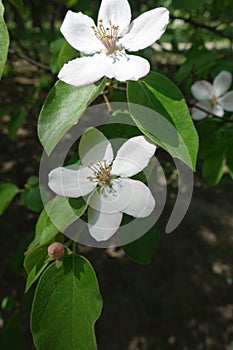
<point x="102" y="173"/>
<point x="213" y="101"/>
<point x="107" y="36"/>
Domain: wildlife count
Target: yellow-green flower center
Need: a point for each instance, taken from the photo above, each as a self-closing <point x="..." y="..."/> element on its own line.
<point x="101" y="173"/>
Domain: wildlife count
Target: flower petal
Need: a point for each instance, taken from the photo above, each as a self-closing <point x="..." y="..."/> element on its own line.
<point x="202" y="90"/>
<point x="77" y="30"/>
<point x="198" y="114"/>
<point x="125" y="67"/>
<point x="146" y="29"/>
<point x="111" y="199"/>
<point x="218" y="110"/>
<point x="141" y="203"/>
<point x="82" y="71"/>
<point x="133" y="156"/>
<point x="70" y="182"/>
<point x="94" y="147"/>
<point x="226" y="101"/>
<point x="118" y="12"/>
<point x="102" y="226"/>
<point x="222" y="83"/>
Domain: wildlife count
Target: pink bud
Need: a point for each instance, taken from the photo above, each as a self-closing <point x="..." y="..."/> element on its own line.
<point x="56" y="250"/>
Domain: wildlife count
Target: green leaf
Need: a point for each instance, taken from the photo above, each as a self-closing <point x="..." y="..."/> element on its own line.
<point x="166" y="120"/>
<point x="66" y="305"/>
<point x="58" y="214"/>
<point x="7" y="193"/>
<point x="32" y="199"/>
<point x="213" y="169"/>
<point x="4" y="41"/>
<point x="66" y="54"/>
<point x="143" y="248"/>
<point x="62" y="109"/>
<point x="35" y="263"/>
<point x="16" y="121"/>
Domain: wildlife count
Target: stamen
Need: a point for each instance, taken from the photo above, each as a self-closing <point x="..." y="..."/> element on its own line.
<point x="102" y="173"/>
<point x="107" y="36"/>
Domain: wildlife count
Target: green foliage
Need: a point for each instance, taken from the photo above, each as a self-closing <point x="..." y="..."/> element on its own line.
<point x="7" y="193"/>
<point x="142" y="250"/>
<point x="35" y="263"/>
<point x="59" y="112"/>
<point x="216" y="144"/>
<point x="66" y="305"/>
<point x="167" y="121"/>
<point x="4" y="41"/>
<point x="31" y="196"/>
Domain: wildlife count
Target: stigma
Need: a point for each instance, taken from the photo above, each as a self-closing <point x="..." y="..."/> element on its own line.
<point x="107" y="36"/>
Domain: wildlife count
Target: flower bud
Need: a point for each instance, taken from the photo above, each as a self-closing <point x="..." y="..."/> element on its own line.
<point x="56" y="250"/>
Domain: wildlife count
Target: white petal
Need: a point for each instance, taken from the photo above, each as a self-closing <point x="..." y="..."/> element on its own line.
<point x="222" y="83"/>
<point x="226" y="101"/>
<point x="141" y="203"/>
<point x="217" y="110"/>
<point x="112" y="200"/>
<point x="70" y="182"/>
<point x="94" y="146"/>
<point x="102" y="226"/>
<point x="82" y="71"/>
<point x="125" y="67"/>
<point x="146" y="29"/>
<point x="77" y="30"/>
<point x="198" y="114"/>
<point x="116" y="11"/>
<point x="202" y="90"/>
<point x="133" y="156"/>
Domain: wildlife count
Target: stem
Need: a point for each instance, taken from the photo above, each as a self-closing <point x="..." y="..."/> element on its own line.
<point x="30" y="60"/>
<point x="74" y="247"/>
<point x="107" y="103"/>
<point x="213" y="115"/>
<point x="221" y="33"/>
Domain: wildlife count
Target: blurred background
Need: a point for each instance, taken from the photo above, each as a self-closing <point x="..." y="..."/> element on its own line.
<point x="183" y="299"/>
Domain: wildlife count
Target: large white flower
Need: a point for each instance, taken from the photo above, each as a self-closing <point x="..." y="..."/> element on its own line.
<point x="113" y="192"/>
<point x="108" y="40"/>
<point x="213" y="98"/>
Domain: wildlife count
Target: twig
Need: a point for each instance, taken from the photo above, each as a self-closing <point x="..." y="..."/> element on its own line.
<point x="110" y="110"/>
<point x="221" y="33"/>
<point x="30" y="60"/>
<point x="212" y="114"/>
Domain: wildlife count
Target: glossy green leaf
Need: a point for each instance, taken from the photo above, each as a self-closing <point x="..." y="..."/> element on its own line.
<point x="143" y="248"/>
<point x="66" y="305"/>
<point x="32" y="199"/>
<point x="58" y="214"/>
<point x="66" y="54"/>
<point x="159" y="110"/>
<point x="34" y="263"/>
<point x="213" y="169"/>
<point x="7" y="193"/>
<point x="62" y="109"/>
<point x="4" y="40"/>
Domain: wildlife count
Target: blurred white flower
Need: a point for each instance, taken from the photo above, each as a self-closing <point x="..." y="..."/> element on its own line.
<point x="213" y="97"/>
<point x="113" y="192"/>
<point x="108" y="40"/>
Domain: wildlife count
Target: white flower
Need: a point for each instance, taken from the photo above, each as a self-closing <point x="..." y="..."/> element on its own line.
<point x="113" y="193"/>
<point x="213" y="98"/>
<point x="108" y="40"/>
